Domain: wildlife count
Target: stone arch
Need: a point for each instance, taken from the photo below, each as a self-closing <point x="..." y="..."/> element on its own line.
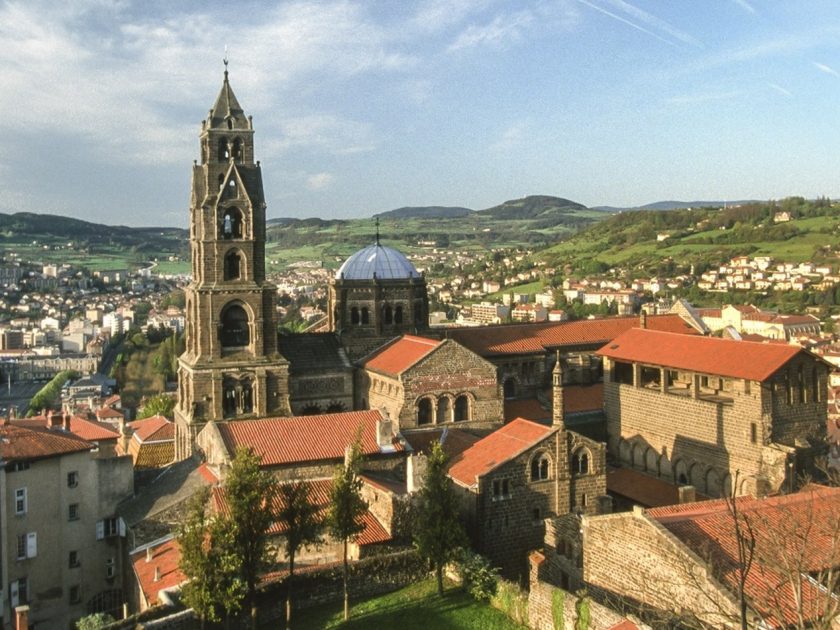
<point x="237" y="150"/>
<point x="237" y="395"/>
<point x="387" y="314"/>
<point x="224" y="150"/>
<point x="235" y="325"/>
<point x="234" y="264"/>
<point x="714" y="485"/>
<point x="625" y="451"/>
<point x="443" y="413"/>
<point x="726" y="485"/>
<point x="638" y="456"/>
<point x="681" y="473"/>
<point x="398" y="314"/>
<point x="425" y="411"/>
<point x="665" y="468"/>
<point x="463" y="408"/>
<point x="582" y="461"/>
<point x="354" y="316"/>
<point x="232" y="225"/>
<point x="697" y="476"/>
<point x="540" y="466"/>
<point x="652" y="461"/>
<point x="365" y="319"/>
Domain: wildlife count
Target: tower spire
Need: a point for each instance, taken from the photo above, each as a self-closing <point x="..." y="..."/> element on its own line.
<point x="225" y="61"/>
<point x="557" y="412"/>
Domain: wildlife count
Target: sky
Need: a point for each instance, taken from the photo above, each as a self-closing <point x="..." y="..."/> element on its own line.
<point x="362" y="107"/>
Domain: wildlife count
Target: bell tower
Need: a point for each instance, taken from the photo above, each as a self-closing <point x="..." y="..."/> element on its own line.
<point x="231" y="368"/>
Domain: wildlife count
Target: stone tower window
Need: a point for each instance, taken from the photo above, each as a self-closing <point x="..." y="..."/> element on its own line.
<point x="224" y="152"/>
<point x="232" y="223"/>
<point x="365" y="316"/>
<point x="398" y="315"/>
<point x="462" y="408"/>
<point x="509" y="388"/>
<point x="233" y="265"/>
<point x="443" y="410"/>
<point x="354" y="316"/>
<point x="235" y="328"/>
<point x="582" y="462"/>
<point x="387" y="314"/>
<point x="540" y="468"/>
<point x="237" y="150"/>
<point x="237" y="396"/>
<point x="424" y="411"/>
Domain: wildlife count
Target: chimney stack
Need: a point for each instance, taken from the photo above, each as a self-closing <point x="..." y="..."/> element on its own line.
<point x="558" y="414"/>
<point x="642" y="319"/>
<point x="149" y="554"/>
<point x="65" y="424"/>
<point x="157" y="574"/>
<point x="21" y="617"/>
<point x="686" y="494"/>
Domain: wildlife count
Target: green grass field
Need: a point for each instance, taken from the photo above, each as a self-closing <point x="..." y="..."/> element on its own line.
<point x="415" y="607"/>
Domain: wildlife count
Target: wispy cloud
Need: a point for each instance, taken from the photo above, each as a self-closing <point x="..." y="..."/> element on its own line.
<point x="746" y="6"/>
<point x="827" y="69"/>
<point x="498" y="32"/>
<point x="653" y="26"/>
<point x="778" y="88"/>
<point x="319" y="181"/>
<point x="514" y="134"/>
<point x="704" y="97"/>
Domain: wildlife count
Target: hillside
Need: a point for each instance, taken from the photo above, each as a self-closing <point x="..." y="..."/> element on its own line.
<point x="676" y="205"/>
<point x="427" y="212"/>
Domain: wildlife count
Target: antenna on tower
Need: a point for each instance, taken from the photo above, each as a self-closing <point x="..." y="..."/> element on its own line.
<point x="225" y="60"/>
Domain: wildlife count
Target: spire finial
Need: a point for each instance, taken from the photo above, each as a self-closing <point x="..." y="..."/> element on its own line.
<point x="377" y="230"/>
<point x="225" y="61"/>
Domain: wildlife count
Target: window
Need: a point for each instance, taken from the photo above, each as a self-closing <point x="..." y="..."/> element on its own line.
<point x="73" y="512"/>
<point x="582" y="462"/>
<point x="235" y="329"/>
<point x="424" y="411"/>
<point x="462" y="408"/>
<point x="354" y="315"/>
<point x="27" y="545"/>
<point x="19" y="592"/>
<point x="561" y="547"/>
<point x="539" y="468"/>
<point x="501" y="489"/>
<point x="536" y="515"/>
<point x="365" y="316"/>
<point x="583" y="500"/>
<point x="109" y="527"/>
<point x="72" y="479"/>
<point x="232" y="266"/>
<point x="75" y="594"/>
<point x="17" y="467"/>
<point x="753" y="432"/>
<point x="20" y="501"/>
<point x="110" y="567"/>
<point x="443" y="410"/>
<point x="73" y="560"/>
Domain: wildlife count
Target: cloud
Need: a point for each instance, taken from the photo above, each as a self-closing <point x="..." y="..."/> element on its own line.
<point x="501" y="30"/>
<point x="514" y="135"/>
<point x="780" y="89"/>
<point x="656" y="27"/>
<point x="745" y="5"/>
<point x="323" y="132"/>
<point x="319" y="181"/>
<point x="827" y="69"/>
<point x="437" y="15"/>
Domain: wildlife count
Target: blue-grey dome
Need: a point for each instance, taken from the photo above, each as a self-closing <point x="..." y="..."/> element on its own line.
<point x="378" y="261"/>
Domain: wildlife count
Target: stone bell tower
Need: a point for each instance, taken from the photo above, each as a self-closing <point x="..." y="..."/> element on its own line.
<point x="231" y="368"/>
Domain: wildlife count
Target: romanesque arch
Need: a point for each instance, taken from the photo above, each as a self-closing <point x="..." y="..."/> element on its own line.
<point x="540" y="465"/>
<point x="232" y="224"/>
<point x="652" y="461"/>
<point x="625" y="452"/>
<point x="463" y="408"/>
<point x="235" y="326"/>
<point x="638" y="456"/>
<point x="425" y="411"/>
<point x="444" y="409"/>
<point x="714" y="487"/>
<point x="680" y="473"/>
<point x="582" y="461"/>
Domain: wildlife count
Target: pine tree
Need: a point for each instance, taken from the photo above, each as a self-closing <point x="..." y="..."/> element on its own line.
<point x="439" y="533"/>
<point x="298" y="517"/>
<point x="347" y="506"/>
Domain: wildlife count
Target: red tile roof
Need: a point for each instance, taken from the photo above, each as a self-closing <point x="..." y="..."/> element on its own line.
<point x="455" y="441"/>
<point x="708" y="355"/>
<point x="580" y="398"/>
<point x="304" y="438"/>
<point x="497" y="448"/>
<point x="643" y="489"/>
<point x="107" y="412"/>
<point x="81" y="427"/>
<point x="153" y="429"/>
<point x="20" y="443"/>
<point x="400" y="355"/>
<point x="528" y="408"/>
<point x="798" y="529"/>
<point x="165" y="558"/>
<point x="531" y="338"/>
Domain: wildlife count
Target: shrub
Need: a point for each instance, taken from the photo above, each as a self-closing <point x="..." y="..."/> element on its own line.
<point x="479" y="578"/>
<point x="94" y="621"/>
<point x="512" y="601"/>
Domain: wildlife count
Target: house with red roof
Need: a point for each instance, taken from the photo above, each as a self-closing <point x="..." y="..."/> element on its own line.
<point x="58" y="514"/>
<point x="423" y="383"/>
<point x="694" y="410"/>
<point x="151" y="443"/>
<point x="522" y="474"/>
<point x="685" y="559"/>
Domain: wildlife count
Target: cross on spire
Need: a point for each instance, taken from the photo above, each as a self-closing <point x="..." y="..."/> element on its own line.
<point x="225" y="61"/>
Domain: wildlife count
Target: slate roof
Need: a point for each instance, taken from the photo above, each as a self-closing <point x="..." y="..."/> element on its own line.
<point x="289" y="440"/>
<point x="497" y="448"/>
<point x="490" y="341"/>
<point x="21" y="444"/>
<point x="377" y="261"/>
<point x="396" y="357"/>
<point x="798" y="528"/>
<point x="708" y="355"/>
<point x="313" y="352"/>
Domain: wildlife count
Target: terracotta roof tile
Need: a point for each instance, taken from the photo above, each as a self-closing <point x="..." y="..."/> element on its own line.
<point x="531" y="338"/>
<point x="150" y="454"/>
<point x="581" y="398"/>
<point x="165" y="558"/>
<point x="496" y="449"/>
<point x="107" y="412"/>
<point x="527" y="408"/>
<point x="153" y="429"/>
<point x="20" y="443"/>
<point x="400" y="355"/>
<point x="81" y="427"/>
<point x="800" y="527"/>
<point x="295" y="439"/>
<point x="708" y="355"/>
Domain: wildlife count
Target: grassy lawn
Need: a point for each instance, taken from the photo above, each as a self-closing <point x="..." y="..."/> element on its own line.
<point x="415" y="607"/>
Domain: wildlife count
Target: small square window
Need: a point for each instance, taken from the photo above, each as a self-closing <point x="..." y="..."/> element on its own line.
<point x="73" y="560"/>
<point x="20" y="501"/>
<point x="73" y="512"/>
<point x="72" y="479"/>
<point x="21" y="546"/>
<point x="75" y="594"/>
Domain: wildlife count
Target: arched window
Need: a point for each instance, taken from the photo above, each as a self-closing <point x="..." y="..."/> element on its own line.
<point x="462" y="408"/>
<point x="232" y="223"/>
<point x="237" y="396"/>
<point x="540" y="468"/>
<point x="230" y="123"/>
<point x="224" y="152"/>
<point x="237" y="150"/>
<point x="509" y="388"/>
<point x="582" y="462"/>
<point x="398" y="315"/>
<point x="235" y="329"/>
<point x="424" y="411"/>
<point x="443" y="410"/>
<point x="365" y="316"/>
<point x="354" y="316"/>
<point x="233" y="263"/>
<point x="387" y="314"/>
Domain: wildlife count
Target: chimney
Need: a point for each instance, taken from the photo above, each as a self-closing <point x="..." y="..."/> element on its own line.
<point x="21" y="617"/>
<point x="642" y="319"/>
<point x="686" y="494"/>
<point x="384" y="431"/>
<point x="157" y="574"/>
<point x="149" y="554"/>
<point x="558" y="414"/>
<point x="65" y="424"/>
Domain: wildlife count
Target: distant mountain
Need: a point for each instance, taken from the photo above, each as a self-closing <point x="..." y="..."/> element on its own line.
<point x="675" y="205"/>
<point x="532" y="207"/>
<point x="310" y="222"/>
<point x="425" y="212"/>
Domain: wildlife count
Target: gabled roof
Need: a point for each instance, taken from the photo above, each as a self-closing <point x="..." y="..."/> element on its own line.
<point x="21" y="444"/>
<point x="707" y="355"/>
<point x="797" y="529"/>
<point x="108" y="412"/>
<point x="496" y="449"/>
<point x="166" y="555"/>
<point x="531" y="338"/>
<point x="313" y="352"/>
<point x="401" y="354"/>
<point x="289" y="440"/>
<point x="153" y="429"/>
<point x="80" y="427"/>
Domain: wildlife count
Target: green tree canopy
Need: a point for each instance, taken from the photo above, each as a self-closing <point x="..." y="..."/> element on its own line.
<point x="159" y="405"/>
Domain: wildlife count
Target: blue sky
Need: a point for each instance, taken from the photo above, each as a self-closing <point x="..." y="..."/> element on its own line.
<point x="361" y="107"/>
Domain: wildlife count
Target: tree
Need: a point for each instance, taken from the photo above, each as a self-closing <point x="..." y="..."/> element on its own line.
<point x="209" y="561"/>
<point x="249" y="493"/>
<point x="95" y="621"/>
<point x="299" y="519"/>
<point x="159" y="405"/>
<point x="347" y="506"/>
<point x="439" y="533"/>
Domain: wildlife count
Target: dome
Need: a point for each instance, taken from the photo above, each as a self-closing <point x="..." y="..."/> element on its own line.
<point x="383" y="263"/>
